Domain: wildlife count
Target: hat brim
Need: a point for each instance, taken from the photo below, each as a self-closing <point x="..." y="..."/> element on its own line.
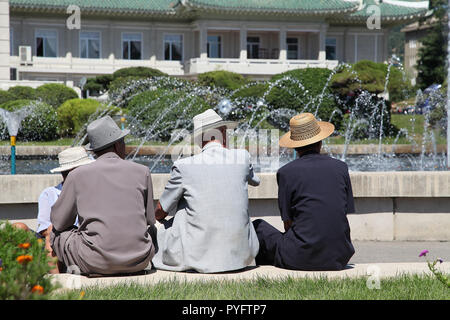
<point x="326" y="129"/>
<point x="124" y="133"/>
<point x="72" y="166"/>
<point x="218" y="124"/>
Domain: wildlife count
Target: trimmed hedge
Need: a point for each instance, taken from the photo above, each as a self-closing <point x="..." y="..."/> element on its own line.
<point x="23" y="92"/>
<point x="55" y="94"/>
<point x="5" y="96"/>
<point x="223" y="79"/>
<point x="40" y="125"/>
<point x="161" y="111"/>
<point x="74" y="113"/>
<point x="141" y="72"/>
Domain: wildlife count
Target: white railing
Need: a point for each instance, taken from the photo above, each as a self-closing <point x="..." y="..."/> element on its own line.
<point x="254" y="66"/>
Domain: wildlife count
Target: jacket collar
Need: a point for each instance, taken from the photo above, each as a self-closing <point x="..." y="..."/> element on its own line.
<point x="108" y="155"/>
<point x="211" y="145"/>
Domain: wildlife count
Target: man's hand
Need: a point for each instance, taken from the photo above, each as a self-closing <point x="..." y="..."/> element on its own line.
<point x="287" y="225"/>
<point x="160" y="214"/>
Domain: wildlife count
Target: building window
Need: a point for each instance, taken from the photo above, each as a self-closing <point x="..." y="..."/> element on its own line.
<point x="11" y="42"/>
<point x="46" y="43"/>
<point x="214" y="47"/>
<point x="252" y="47"/>
<point x="330" y="48"/>
<point x="90" y="45"/>
<point x="132" y="46"/>
<point x="173" y="47"/>
<point x="292" y="48"/>
<point x="412" y="44"/>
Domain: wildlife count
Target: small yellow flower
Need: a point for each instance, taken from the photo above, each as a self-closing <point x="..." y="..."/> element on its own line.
<point x="82" y="293"/>
<point x="25" y="245"/>
<point x="24" y="259"/>
<point x="39" y="241"/>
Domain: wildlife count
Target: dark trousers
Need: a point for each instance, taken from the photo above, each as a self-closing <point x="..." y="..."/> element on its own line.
<point x="269" y="238"/>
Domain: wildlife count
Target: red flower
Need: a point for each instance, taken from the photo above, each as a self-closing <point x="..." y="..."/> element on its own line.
<point x="24" y="259"/>
<point x="25" y="245"/>
<point x="37" y="288"/>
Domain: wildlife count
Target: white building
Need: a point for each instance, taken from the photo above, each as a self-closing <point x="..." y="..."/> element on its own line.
<point x="40" y="39"/>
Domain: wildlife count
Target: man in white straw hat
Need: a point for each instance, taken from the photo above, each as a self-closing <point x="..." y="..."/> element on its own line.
<point x="68" y="159"/>
<point x="314" y="197"/>
<point x="114" y="202"/>
<point x="211" y="230"/>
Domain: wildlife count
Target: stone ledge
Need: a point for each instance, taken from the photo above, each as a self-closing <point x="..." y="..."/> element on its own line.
<point x="385" y="270"/>
<point x="406" y="184"/>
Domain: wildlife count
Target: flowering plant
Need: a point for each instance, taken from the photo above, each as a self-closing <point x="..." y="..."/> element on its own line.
<point x="24" y="265"/>
<point x="432" y="266"/>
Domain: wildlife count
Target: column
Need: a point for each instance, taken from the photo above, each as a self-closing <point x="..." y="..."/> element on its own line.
<point x="203" y="41"/>
<point x="322" y="44"/>
<point x="283" y="45"/>
<point x="243" y="43"/>
<point x="153" y="45"/>
<point x="4" y="40"/>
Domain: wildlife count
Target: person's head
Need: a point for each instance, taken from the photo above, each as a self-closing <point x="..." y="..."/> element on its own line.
<point x="106" y="136"/>
<point x="306" y="133"/>
<point x="118" y="148"/>
<point x="209" y="126"/>
<point x="315" y="147"/>
<point x="70" y="159"/>
<point x="217" y="134"/>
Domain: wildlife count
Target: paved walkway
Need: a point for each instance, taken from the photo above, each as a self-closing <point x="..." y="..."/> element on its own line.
<point x="398" y="251"/>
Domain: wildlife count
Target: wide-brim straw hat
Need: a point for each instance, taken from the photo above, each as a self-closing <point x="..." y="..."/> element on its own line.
<point x="305" y="130"/>
<point x="210" y="120"/>
<point x="72" y="158"/>
<point x="104" y="132"/>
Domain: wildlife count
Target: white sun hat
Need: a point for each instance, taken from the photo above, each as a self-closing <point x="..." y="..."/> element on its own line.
<point x="71" y="158"/>
<point x="210" y="120"/>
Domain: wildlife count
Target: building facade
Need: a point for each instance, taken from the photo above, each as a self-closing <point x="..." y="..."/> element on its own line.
<point x="66" y="40"/>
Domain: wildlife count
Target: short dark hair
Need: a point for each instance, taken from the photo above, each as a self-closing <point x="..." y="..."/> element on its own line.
<point x="308" y="147"/>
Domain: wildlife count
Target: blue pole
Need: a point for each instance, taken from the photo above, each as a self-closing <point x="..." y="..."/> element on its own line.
<point x="13" y="155"/>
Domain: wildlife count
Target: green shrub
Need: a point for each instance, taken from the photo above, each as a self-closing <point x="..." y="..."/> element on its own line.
<point x="5" y="96"/>
<point x="40" y="125"/>
<point x="303" y="90"/>
<point x="75" y="113"/>
<point x="22" y="92"/>
<point x="223" y="79"/>
<point x="371" y="76"/>
<point x="162" y="111"/>
<point x="141" y="72"/>
<point x="23" y="265"/>
<point x="251" y="90"/>
<point x="55" y="94"/>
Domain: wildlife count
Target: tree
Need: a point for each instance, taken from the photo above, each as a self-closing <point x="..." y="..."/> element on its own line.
<point x="431" y="65"/>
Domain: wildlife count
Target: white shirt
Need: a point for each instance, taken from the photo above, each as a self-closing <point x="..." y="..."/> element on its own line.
<point x="46" y="200"/>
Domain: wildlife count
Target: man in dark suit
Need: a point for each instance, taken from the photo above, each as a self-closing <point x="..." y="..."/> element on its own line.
<point x="314" y="197"/>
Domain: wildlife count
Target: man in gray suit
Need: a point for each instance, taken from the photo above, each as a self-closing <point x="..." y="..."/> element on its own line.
<point x="114" y="202"/>
<point x="211" y="230"/>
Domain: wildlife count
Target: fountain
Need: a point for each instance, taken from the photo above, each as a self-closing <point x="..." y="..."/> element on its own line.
<point x="365" y="118"/>
<point x="13" y="120"/>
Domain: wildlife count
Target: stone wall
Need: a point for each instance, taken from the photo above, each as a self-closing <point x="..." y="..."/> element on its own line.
<point x="389" y="205"/>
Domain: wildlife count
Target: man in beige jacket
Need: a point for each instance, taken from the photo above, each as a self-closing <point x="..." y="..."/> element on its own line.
<point x="114" y="202"/>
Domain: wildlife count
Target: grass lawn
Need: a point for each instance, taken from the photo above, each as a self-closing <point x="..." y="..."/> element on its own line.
<point x="400" y="288"/>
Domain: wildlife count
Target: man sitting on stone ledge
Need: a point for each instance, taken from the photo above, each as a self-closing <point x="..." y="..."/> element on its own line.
<point x="114" y="202"/>
<point x="211" y="230"/>
<point x="314" y="197"/>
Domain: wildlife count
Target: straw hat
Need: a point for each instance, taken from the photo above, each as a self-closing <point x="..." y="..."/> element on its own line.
<point x="210" y="120"/>
<point x="305" y="130"/>
<point x="71" y="158"/>
<point x="103" y="133"/>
